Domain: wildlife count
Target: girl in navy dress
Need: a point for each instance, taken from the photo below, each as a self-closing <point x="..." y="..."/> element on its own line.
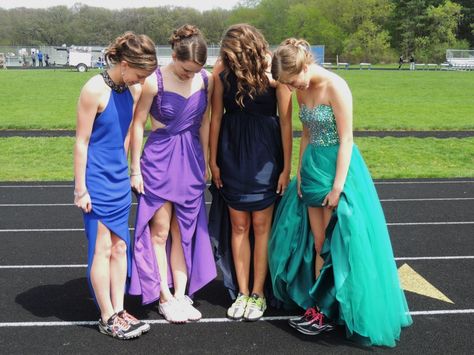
<point x="250" y="159"/>
<point x="102" y="185"/>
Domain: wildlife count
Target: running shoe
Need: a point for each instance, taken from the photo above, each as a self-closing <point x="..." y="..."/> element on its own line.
<point x="237" y="310"/>
<point x="117" y="327"/>
<point x="144" y="327"/>
<point x="256" y="305"/>
<point x="309" y="314"/>
<point x="191" y="312"/>
<point x="172" y="311"/>
<point x="317" y="324"/>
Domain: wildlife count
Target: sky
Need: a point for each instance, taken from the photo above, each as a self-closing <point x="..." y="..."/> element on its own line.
<point x="120" y="4"/>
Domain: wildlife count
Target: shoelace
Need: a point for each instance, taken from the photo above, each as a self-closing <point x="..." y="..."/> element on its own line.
<point x="128" y="317"/>
<point x="120" y="323"/>
<point x="310" y="313"/>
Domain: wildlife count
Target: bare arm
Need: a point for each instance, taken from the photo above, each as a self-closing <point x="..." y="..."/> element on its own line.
<point x="341" y="102"/>
<point x="216" y="117"/>
<point x="285" y="112"/>
<point x="140" y="116"/>
<point x="205" y="125"/>
<point x="87" y="109"/>
<point x="136" y="91"/>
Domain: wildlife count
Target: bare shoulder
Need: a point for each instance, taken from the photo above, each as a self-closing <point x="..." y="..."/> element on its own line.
<point x="338" y="85"/>
<point x="136" y="91"/>
<point x="95" y="86"/>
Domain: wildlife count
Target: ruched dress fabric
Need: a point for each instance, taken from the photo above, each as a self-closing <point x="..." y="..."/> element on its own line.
<point x="250" y="159"/>
<point x="107" y="177"/>
<point x="359" y="285"/>
<point x="173" y="166"/>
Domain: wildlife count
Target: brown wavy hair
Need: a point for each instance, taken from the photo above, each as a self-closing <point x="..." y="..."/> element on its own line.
<point x="137" y="50"/>
<point x="188" y="43"/>
<point x="244" y="52"/>
<point x="290" y="57"/>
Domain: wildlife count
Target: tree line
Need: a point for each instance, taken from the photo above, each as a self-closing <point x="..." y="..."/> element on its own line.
<point x="355" y="30"/>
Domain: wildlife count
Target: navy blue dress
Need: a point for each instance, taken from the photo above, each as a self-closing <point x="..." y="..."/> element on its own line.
<point x="250" y="159"/>
<point x="107" y="177"/>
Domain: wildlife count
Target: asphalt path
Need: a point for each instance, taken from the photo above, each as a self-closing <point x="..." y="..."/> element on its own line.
<point x="45" y="306"/>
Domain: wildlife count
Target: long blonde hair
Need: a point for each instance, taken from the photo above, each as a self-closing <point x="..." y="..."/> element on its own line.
<point x="188" y="43"/>
<point x="137" y="50"/>
<point x="290" y="57"/>
<point x="244" y="52"/>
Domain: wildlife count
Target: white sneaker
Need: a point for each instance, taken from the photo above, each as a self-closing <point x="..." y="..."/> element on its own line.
<point x="172" y="311"/>
<point x="236" y="311"/>
<point x="186" y="305"/>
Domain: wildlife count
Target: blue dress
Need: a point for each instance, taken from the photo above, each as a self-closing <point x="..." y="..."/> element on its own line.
<point x="358" y="286"/>
<point x="107" y="177"/>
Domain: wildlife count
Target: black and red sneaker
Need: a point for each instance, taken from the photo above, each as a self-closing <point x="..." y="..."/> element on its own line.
<point x="318" y="323"/>
<point x="308" y="315"/>
<point x="117" y="327"/>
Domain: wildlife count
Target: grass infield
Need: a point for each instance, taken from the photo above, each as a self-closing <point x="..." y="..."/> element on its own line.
<point x="51" y="159"/>
<point x="383" y="99"/>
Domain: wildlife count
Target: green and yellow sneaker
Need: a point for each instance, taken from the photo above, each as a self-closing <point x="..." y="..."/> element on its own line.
<point x="256" y="305"/>
<point x="236" y="311"/>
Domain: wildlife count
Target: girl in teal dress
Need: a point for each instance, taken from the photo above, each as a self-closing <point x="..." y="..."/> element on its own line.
<point x="346" y="274"/>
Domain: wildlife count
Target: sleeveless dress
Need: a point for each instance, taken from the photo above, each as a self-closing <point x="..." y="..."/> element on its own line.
<point x="173" y="166"/>
<point x="107" y="177"/>
<point x="250" y="159"/>
<point x="358" y="286"/>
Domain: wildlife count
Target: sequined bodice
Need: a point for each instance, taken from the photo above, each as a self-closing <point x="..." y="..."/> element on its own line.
<point x="321" y="123"/>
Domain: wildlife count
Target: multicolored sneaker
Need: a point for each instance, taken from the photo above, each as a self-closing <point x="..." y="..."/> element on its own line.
<point x="186" y="305"/>
<point x="172" y="311"/>
<point x="308" y="315"/>
<point x="134" y="322"/>
<point x="236" y="311"/>
<point x="318" y="323"/>
<point x="256" y="305"/>
<point x="117" y="327"/>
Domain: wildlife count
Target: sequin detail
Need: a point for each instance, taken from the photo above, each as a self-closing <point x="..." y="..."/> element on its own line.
<point x="111" y="84"/>
<point x="321" y="123"/>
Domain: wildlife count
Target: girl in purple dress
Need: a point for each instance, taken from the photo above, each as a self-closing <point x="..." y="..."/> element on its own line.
<point x="170" y="178"/>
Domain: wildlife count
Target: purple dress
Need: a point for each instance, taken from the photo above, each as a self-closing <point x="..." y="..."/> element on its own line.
<point x="173" y="166"/>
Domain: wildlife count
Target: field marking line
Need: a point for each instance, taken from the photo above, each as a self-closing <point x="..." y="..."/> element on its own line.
<point x="206" y="320"/>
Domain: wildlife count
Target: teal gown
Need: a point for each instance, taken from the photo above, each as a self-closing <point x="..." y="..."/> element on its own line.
<point x="358" y="286"/>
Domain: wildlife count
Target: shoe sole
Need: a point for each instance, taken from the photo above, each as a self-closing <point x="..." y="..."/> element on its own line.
<point x="132" y="335"/>
<point x="172" y="321"/>
<point x="319" y="331"/>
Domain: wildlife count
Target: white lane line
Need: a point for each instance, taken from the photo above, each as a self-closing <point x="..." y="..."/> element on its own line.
<point x="435" y="257"/>
<point x="428" y="223"/>
<point x="43" y="266"/>
<point x="208" y="320"/>
<point x="461" y="257"/>
<point x="208" y="202"/>
<point x="376" y="183"/>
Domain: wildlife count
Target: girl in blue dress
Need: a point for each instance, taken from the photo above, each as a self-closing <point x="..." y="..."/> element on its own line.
<point x="347" y="275"/>
<point x="102" y="185"/>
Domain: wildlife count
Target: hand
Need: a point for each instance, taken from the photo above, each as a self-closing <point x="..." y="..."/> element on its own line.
<point x="298" y="185"/>
<point x="83" y="201"/>
<point x="283" y="182"/>
<point x="332" y="199"/>
<point x="216" y="176"/>
<point x="136" y="181"/>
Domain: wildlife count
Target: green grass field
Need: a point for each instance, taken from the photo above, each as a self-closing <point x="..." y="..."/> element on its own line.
<point x="51" y="159"/>
<point x="383" y="100"/>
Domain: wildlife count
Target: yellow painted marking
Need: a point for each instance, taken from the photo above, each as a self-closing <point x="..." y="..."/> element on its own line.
<point x="414" y="282"/>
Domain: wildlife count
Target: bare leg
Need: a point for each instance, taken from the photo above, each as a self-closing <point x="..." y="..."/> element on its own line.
<point x="319" y="219"/>
<point x="178" y="263"/>
<point x="100" y="271"/>
<point x="261" y="221"/>
<point x="118" y="272"/>
<point x="159" y="231"/>
<point x="240" y="221"/>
